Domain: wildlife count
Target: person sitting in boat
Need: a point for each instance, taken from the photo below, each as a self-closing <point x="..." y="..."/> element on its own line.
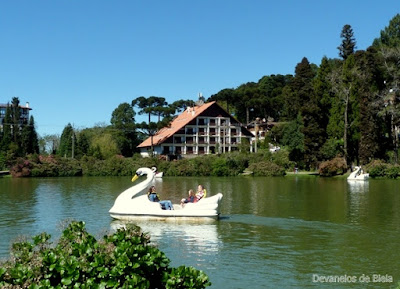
<point x="153" y="197"/>
<point x="201" y="193"/>
<point x="190" y="199"/>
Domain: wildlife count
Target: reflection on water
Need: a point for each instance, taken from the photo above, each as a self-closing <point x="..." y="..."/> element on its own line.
<point x="358" y="186"/>
<point x="358" y="192"/>
<point x="194" y="241"/>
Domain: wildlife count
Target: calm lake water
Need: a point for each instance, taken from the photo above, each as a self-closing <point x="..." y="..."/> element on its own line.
<point x="286" y="232"/>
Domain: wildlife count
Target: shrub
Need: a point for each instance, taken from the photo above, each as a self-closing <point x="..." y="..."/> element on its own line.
<point x="336" y="166"/>
<point x="21" y="168"/>
<point x="377" y="169"/>
<point x="393" y="171"/>
<point x="281" y="158"/>
<point x="181" y="168"/>
<point x="220" y="167"/>
<point x="124" y="259"/>
<point x="266" y="168"/>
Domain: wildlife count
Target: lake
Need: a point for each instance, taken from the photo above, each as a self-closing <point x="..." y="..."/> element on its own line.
<point x="277" y="232"/>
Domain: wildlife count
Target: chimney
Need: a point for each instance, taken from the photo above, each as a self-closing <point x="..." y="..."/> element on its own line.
<point x="27" y="105"/>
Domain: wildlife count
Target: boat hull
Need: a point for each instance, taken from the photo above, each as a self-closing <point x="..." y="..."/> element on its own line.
<point x="174" y="218"/>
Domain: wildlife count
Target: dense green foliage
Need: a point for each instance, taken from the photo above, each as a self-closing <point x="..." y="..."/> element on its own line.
<point x="125" y="259"/>
<point x="231" y="164"/>
<point x="18" y="136"/>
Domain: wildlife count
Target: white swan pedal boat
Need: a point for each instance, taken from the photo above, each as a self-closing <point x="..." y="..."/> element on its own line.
<point x="133" y="204"/>
<point x="358" y="175"/>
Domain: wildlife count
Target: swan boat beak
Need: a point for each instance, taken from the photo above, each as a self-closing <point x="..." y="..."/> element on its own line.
<point x="134" y="178"/>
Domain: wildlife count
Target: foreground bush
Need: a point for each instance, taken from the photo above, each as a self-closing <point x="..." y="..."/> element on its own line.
<point x="124" y="259"/>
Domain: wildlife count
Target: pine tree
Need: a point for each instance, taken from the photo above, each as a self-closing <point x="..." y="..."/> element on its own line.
<point x="29" y="138"/>
<point x="66" y="141"/>
<point x="7" y="136"/>
<point x="348" y="42"/>
<point x="15" y="120"/>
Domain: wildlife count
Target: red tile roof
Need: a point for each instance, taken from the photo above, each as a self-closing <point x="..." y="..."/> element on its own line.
<point x="179" y="122"/>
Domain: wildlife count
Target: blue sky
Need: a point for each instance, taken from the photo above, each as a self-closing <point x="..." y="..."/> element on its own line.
<point x="75" y="61"/>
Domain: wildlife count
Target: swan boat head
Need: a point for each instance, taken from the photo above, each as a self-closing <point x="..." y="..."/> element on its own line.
<point x="125" y="198"/>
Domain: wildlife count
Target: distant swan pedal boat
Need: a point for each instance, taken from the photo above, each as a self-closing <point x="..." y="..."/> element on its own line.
<point x="133" y="204"/>
<point x="358" y="175"/>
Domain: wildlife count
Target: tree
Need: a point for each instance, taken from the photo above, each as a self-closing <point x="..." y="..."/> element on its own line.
<point x="388" y="46"/>
<point x="302" y="85"/>
<point x="369" y="79"/>
<point x="67" y="142"/>
<point x="124" y="129"/>
<point x="348" y="42"/>
<point x="293" y="138"/>
<point x="390" y="94"/>
<point x="227" y="96"/>
<point x="181" y="105"/>
<point x="15" y="116"/>
<point x="390" y="36"/>
<point x="152" y="106"/>
<point x="29" y="138"/>
<point x="104" y="146"/>
<point x="343" y="86"/>
<point x="248" y="102"/>
<point x="7" y="136"/>
<point x="83" y="144"/>
<point x="49" y="144"/>
<point x="271" y="88"/>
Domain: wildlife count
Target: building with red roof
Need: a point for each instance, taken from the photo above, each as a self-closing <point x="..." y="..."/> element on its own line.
<point x="202" y="129"/>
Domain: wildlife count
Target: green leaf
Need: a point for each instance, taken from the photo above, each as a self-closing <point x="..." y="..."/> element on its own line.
<point x="66" y="281"/>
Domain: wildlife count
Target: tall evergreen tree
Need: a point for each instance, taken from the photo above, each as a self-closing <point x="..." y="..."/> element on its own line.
<point x="67" y="142"/>
<point x="29" y="138"/>
<point x="344" y="114"/>
<point x="348" y="42"/>
<point x="371" y="133"/>
<point x="16" y="125"/>
<point x="83" y="144"/>
<point x="7" y="135"/>
<point x="310" y="111"/>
